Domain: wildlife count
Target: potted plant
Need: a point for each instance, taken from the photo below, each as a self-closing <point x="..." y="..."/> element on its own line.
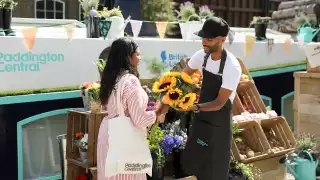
<point x="154" y="138"/>
<point x="190" y="21"/>
<point x="205" y="12"/>
<point x="117" y="22"/>
<point x="81" y="141"/>
<point x="90" y="14"/>
<point x="7" y="7"/>
<point x="94" y="97"/>
<point x="260" y="26"/>
<point x="84" y="94"/>
<point x="155" y="10"/>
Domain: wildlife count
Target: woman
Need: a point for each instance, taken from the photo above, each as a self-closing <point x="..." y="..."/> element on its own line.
<point x="122" y="62"/>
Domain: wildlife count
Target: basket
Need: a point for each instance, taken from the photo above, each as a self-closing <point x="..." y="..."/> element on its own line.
<point x="253" y="136"/>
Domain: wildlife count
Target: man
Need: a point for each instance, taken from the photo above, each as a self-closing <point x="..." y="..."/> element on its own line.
<point x="207" y="152"/>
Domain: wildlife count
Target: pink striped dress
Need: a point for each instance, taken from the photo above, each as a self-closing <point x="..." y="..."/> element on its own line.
<point x="134" y="101"/>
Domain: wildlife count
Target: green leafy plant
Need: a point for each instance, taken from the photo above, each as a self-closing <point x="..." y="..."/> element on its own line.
<point x="155" y="136"/>
<point x="205" y="12"/>
<point x="155" y="10"/>
<point x="302" y="19"/>
<point x="10" y="4"/>
<point x="260" y="20"/>
<point x="236" y="131"/>
<point x="188" y="12"/>
<point x="87" y="5"/>
<point x="155" y="66"/>
<point x="306" y="141"/>
<point x="249" y="171"/>
<point x="101" y="64"/>
<point x="116" y="12"/>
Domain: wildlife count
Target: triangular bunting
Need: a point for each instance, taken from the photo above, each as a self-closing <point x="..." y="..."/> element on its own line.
<point x="136" y="27"/>
<point x="29" y="35"/>
<point x="231" y="37"/>
<point x="249" y="44"/>
<point x="287" y="44"/>
<point x="105" y="27"/>
<point x="69" y="30"/>
<point x="161" y="27"/>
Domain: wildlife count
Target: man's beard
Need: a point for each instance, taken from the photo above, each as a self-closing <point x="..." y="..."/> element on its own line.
<point x="211" y="49"/>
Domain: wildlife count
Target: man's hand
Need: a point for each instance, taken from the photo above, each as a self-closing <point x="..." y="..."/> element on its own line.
<point x="188" y="70"/>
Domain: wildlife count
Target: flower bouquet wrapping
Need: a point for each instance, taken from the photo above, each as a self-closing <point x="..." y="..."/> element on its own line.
<point x="90" y="92"/>
<point x="175" y="89"/>
<point x="81" y="141"/>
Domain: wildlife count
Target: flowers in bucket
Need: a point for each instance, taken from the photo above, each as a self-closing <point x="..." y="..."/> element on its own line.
<point x="81" y="141"/>
<point x="94" y="97"/>
<point x="175" y="89"/>
<point x="175" y="138"/>
<point x="154" y="138"/>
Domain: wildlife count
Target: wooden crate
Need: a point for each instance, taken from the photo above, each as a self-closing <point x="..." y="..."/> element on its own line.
<point x="278" y="129"/>
<point x="86" y="122"/>
<point x="306" y="106"/>
<point x="237" y="107"/>
<point x="245" y="70"/>
<point x="270" y="169"/>
<point x="74" y="171"/>
<point x="312" y="70"/>
<point x="254" y="137"/>
<point x="250" y="98"/>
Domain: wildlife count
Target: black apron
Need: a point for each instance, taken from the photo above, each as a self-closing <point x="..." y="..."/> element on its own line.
<point x="207" y="153"/>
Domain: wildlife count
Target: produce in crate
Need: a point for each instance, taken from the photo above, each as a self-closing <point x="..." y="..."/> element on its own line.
<point x="245" y="150"/>
<point x="246" y="116"/>
<point x="273" y="141"/>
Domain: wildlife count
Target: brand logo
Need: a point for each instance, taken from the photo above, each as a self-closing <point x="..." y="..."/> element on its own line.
<point x="136" y="166"/>
<point x="26" y="62"/>
<point x="202" y="143"/>
<point x="171" y="59"/>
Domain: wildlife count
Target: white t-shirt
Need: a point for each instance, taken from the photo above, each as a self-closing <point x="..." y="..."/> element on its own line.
<point x="231" y="72"/>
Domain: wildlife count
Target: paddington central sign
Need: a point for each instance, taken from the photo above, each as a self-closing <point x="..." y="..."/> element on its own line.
<point x="28" y="61"/>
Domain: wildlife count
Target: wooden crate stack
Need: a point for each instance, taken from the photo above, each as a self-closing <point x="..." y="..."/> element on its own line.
<point x="306" y="106"/>
<point x="86" y="122"/>
<point x="264" y="140"/>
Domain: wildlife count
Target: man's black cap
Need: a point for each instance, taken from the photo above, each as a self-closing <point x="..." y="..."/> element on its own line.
<point x="213" y="27"/>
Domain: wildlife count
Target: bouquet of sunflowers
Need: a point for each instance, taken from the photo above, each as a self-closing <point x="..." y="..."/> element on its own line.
<point x="175" y="89"/>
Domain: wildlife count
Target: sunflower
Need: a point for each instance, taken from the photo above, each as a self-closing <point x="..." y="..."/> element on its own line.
<point x="187" y="100"/>
<point x="172" y="97"/>
<point x="186" y="78"/>
<point x="172" y="74"/>
<point x="165" y="83"/>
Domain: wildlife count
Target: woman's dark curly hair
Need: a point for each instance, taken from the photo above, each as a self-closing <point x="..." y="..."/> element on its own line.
<point x="117" y="64"/>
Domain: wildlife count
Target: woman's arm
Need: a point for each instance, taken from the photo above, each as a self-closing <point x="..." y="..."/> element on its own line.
<point x="136" y="106"/>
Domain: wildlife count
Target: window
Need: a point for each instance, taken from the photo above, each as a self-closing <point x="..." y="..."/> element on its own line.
<point x="49" y="9"/>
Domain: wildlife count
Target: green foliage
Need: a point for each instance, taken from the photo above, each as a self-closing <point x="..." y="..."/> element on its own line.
<point x="236" y="132"/>
<point x="249" y="171"/>
<point x="87" y="5"/>
<point x="155" y="136"/>
<point x="188" y="12"/>
<point x="38" y="91"/>
<point x="260" y="20"/>
<point x="156" y="10"/>
<point x="155" y="66"/>
<point x="306" y="141"/>
<point x="105" y="13"/>
<point x="101" y="64"/>
<point x="205" y="12"/>
<point x="302" y="19"/>
<point x="8" y="4"/>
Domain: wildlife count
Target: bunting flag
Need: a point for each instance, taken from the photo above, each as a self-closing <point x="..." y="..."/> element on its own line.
<point x="136" y="27"/>
<point x="249" y="44"/>
<point x="287" y="44"/>
<point x="29" y="35"/>
<point x="69" y="28"/>
<point x="300" y="40"/>
<point x="270" y="45"/>
<point x="105" y="27"/>
<point x="161" y="27"/>
<point x="231" y="37"/>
